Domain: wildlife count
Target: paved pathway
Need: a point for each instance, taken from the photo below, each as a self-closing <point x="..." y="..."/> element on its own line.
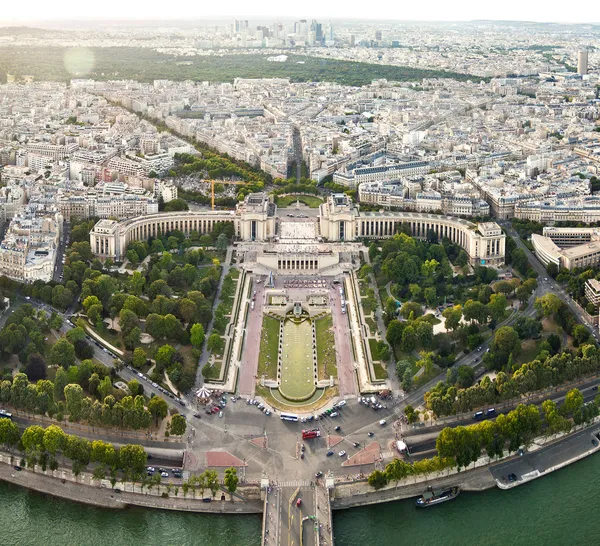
<point x="251" y="349"/>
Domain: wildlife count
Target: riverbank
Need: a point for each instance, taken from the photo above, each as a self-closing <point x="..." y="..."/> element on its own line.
<point x="549" y="457"/>
<point x="103" y="496"/>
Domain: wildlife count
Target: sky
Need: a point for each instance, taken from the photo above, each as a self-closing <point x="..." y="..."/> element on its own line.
<point x="583" y="11"/>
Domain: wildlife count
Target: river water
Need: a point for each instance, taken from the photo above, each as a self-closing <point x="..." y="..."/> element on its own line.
<point x="562" y="508"/>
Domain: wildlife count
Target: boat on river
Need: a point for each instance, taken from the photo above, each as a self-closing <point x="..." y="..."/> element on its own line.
<point x="437" y="496"/>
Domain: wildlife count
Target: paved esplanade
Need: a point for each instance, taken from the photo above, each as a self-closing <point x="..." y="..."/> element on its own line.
<point x="297" y="515"/>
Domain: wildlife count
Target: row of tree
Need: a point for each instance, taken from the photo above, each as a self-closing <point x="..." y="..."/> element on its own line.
<point x="447" y="399"/>
<point x="43" y="446"/>
<point x="519" y="427"/>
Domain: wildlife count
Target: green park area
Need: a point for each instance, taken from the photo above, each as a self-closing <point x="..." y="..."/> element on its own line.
<point x="146" y="64"/>
<point x="325" y="347"/>
<point x="290" y="200"/>
<point x="297" y="379"/>
<point x="269" y="341"/>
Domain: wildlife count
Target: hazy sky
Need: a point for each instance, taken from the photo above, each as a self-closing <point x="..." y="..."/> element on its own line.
<point x="582" y="11"/>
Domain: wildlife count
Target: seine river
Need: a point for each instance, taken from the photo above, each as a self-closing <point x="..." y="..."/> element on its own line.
<point x="559" y="509"/>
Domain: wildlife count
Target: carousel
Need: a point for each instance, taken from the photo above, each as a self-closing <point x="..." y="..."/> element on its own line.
<point x="203" y="395"/>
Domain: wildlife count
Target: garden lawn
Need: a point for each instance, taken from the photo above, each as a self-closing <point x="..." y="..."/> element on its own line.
<point x="297" y="380"/>
<point x="269" y="342"/>
<point x="325" y="347"/>
<point x="311" y="201"/>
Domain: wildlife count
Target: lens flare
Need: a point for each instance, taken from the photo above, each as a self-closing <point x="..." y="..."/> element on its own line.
<point x="79" y="61"/>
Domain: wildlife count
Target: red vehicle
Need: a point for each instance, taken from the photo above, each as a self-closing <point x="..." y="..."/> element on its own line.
<point x="298" y="502"/>
<point x="314" y="433"/>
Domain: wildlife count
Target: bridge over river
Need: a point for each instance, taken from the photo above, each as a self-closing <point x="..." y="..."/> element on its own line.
<point x="297" y="513"/>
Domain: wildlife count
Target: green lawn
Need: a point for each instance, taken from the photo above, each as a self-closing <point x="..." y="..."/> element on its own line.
<point x="380" y="371"/>
<point x="529" y="350"/>
<point x="326" y="363"/>
<point x="269" y="341"/>
<point x="375" y="352"/>
<point x="368" y="305"/>
<point x="363" y="286"/>
<point x="234" y="273"/>
<point x="290" y="200"/>
<point x="372" y="325"/>
<point x="297" y="379"/>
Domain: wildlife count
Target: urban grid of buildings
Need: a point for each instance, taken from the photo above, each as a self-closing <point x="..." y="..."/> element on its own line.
<point x="524" y="144"/>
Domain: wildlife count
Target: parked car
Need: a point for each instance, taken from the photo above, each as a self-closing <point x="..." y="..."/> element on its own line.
<point x="383" y="422"/>
<point x="298" y="502"/>
<point x="341" y="403"/>
<point x="329" y="453"/>
<point x="164" y="474"/>
<point x="342" y="453"/>
<point x="318" y="474"/>
<point x="490" y="412"/>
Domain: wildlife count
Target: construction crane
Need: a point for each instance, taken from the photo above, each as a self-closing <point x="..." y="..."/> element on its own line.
<point x="212" y="188"/>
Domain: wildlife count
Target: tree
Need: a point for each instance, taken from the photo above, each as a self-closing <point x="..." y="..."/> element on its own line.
<point x="62" y="353"/>
<point x="573" y="402"/>
<point x="215" y="344"/>
<point x="197" y="335"/>
<point x="55" y="439"/>
<point x="548" y="304"/>
<point x="580" y="334"/>
<point x="475" y="311"/>
<point x="73" y="399"/>
<point x="410" y="307"/>
<point x="552" y="270"/>
<point x="164" y="356"/>
<point x="136" y="283"/>
<point x="519" y="260"/>
<point x="132" y="460"/>
<point x="132" y="256"/>
<point x="394" y="332"/>
<point x="452" y="316"/>
<point x="231" y="478"/>
<point x="139" y="357"/>
<point x="527" y="327"/>
<point x="178" y="425"/>
<point x="9" y="432"/>
<point x="430" y="296"/>
<point x="186" y="309"/>
<point x="465" y="376"/>
<point x="36" y="367"/>
<point x="211" y="481"/>
<point x="89" y="302"/>
<point x="176" y="205"/>
<point x="222" y="242"/>
<point x="158" y="408"/>
<point x="378" y="479"/>
<point x="127" y="321"/>
<point x="76" y="334"/>
<point x="497" y="306"/>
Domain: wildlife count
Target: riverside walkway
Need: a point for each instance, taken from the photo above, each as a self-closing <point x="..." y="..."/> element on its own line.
<point x="297" y="515"/>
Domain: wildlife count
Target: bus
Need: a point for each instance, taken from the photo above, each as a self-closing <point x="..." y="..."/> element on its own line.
<point x="5" y="414"/>
<point x="288" y="417"/>
<point x="308" y="434"/>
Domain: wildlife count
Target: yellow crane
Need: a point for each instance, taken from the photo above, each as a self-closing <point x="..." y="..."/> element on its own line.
<point x="212" y="188"/>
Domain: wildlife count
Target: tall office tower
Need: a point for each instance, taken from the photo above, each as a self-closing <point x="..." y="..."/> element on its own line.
<point x="352" y="40"/>
<point x="330" y="34"/>
<point x="378" y="35"/>
<point x="317" y="28"/>
<point x="582" y="62"/>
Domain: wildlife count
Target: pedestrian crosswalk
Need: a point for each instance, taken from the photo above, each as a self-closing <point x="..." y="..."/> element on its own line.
<point x="294" y="483"/>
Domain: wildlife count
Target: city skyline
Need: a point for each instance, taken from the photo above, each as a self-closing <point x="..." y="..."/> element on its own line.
<point x="436" y="11"/>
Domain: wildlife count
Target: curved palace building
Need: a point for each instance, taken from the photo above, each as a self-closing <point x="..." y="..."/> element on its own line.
<point x="339" y="219"/>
